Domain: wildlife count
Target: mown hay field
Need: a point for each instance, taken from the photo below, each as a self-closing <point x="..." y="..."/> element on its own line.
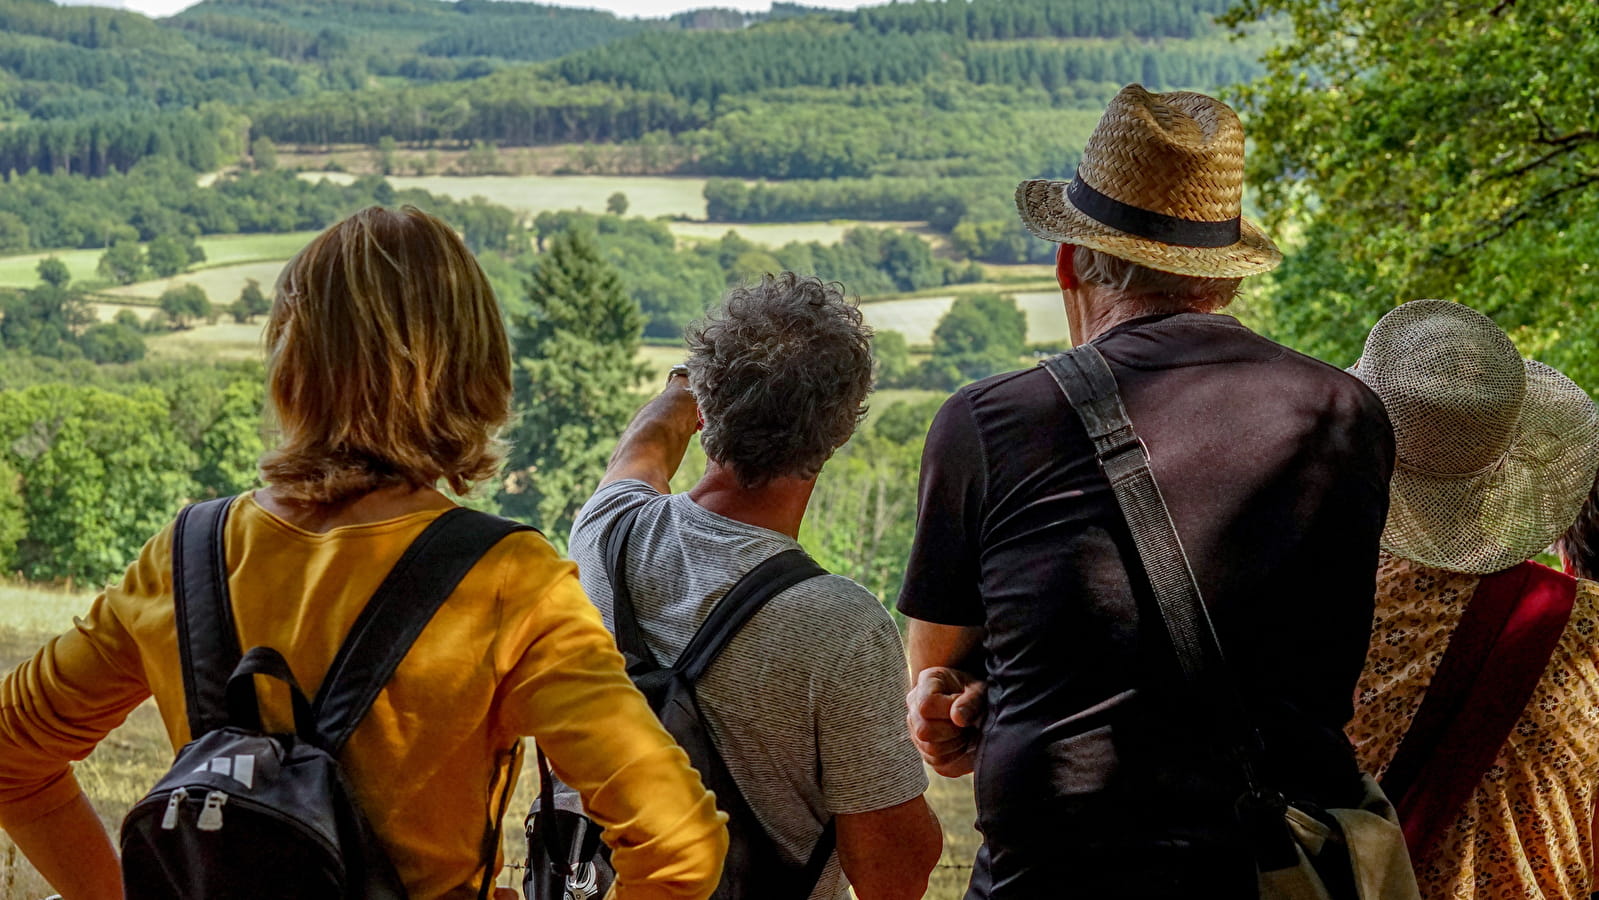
<point x="776" y="234"/>
<point x="136" y="754"/>
<point x="647" y="195"/>
<point x="221" y="284"/>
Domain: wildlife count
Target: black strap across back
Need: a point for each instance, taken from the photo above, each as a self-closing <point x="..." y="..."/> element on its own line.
<point x="742" y="601"/>
<point x="208" y="638"/>
<point x="1090" y="388"/>
<point x="218" y="682"/>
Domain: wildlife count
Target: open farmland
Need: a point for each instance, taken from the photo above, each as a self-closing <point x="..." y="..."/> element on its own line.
<point x="647" y="196"/>
<point x="916" y="317"/>
<point x="23" y="270"/>
<point x="221" y="284"/>
<point x="222" y="250"/>
<point x="776" y="234"/>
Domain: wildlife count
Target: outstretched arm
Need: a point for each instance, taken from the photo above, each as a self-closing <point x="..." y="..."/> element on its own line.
<point x="652" y="447"/>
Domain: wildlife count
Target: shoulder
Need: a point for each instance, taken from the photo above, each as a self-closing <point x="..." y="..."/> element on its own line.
<point x="832" y="612"/>
<point x="1006" y="386"/>
<point x="609" y="502"/>
<point x="989" y="406"/>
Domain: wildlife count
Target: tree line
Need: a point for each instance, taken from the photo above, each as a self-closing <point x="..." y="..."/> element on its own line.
<point x="160" y="198"/>
<point x="513" y="108"/>
<point x="708" y="66"/>
<point x="114" y="142"/>
<point x="1010" y="19"/>
<point x="976" y="212"/>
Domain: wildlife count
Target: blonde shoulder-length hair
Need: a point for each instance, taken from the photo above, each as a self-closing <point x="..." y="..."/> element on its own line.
<point x="389" y="362"/>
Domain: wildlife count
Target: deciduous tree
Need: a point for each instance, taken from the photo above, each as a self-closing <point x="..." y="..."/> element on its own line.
<point x="1432" y="148"/>
<point x="184" y="303"/>
<point x="123" y="262"/>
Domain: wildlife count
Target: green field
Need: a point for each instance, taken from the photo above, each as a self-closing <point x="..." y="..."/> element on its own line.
<point x="23" y="270"/>
<point x="135" y="755"/>
<point x="221" y="250"/>
<point x="647" y="196"/>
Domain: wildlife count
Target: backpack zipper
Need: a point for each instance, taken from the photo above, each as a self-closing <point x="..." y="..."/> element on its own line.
<point x="211" y="816"/>
<point x="169" y="819"/>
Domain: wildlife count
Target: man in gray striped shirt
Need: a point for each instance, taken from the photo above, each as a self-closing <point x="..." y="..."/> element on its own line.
<point x="806" y="703"/>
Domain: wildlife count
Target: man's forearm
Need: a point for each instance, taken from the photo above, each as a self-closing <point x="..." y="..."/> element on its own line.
<point x="652" y="447"/>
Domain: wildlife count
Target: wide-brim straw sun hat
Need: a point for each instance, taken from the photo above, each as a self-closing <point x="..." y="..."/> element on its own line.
<point x="1160" y="184"/>
<point x="1496" y="454"/>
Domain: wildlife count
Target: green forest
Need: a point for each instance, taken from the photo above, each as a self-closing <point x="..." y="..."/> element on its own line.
<point x="157" y="171"/>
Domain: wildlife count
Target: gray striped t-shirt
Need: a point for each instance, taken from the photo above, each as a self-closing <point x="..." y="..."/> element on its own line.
<point x="806" y="703"/>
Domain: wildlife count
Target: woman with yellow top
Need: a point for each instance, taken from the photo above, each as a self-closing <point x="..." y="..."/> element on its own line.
<point x="389" y="372"/>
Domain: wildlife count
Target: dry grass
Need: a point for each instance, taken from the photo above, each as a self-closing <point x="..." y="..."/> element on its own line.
<point x="119" y="771"/>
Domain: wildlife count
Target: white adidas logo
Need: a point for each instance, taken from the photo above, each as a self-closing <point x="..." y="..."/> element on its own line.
<point x="240" y="768"/>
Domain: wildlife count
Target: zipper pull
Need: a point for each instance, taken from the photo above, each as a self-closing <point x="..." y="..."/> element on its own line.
<point x="211" y="816"/>
<point x="169" y="820"/>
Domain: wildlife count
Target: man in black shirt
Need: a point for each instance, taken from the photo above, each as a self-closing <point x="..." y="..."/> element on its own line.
<point x="1094" y="776"/>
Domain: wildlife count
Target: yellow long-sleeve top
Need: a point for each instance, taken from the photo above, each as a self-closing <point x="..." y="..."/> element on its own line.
<point x="516" y="650"/>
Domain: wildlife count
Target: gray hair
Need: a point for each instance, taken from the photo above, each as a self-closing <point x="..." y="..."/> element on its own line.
<point x="780" y="371"/>
<point x="1152" y="290"/>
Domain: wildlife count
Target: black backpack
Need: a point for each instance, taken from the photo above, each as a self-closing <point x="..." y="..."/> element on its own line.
<point x="243" y="814"/>
<point x="566" y="860"/>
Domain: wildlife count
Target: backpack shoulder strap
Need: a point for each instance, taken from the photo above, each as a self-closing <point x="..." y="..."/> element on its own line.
<point x="624" y="618"/>
<point x="208" y="641"/>
<point x="405" y="602"/>
<point x="772" y="577"/>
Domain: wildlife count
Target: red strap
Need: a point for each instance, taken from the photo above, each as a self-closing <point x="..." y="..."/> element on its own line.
<point x="1494" y="660"/>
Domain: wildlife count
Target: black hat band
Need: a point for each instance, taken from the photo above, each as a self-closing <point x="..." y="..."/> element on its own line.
<point x="1149" y="225"/>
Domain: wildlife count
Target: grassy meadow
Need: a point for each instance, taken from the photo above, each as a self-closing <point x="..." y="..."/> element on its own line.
<point x="136" y="754"/>
<point x="221" y="251"/>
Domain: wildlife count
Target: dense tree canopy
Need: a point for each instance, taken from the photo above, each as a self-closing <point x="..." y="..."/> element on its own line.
<point x="1413" y="148"/>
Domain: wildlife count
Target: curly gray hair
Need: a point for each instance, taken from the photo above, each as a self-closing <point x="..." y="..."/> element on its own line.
<point x="780" y="371"/>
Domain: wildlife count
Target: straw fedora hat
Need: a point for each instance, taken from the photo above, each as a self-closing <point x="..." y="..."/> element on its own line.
<point x="1496" y="453"/>
<point x="1160" y="184"/>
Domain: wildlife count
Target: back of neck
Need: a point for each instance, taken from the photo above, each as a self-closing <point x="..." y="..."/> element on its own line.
<point x="778" y="505"/>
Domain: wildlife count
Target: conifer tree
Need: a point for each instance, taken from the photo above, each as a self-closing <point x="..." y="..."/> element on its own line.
<point x="575" y="371"/>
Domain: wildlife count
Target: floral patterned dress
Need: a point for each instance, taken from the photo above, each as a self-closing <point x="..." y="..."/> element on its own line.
<point x="1527" y="832"/>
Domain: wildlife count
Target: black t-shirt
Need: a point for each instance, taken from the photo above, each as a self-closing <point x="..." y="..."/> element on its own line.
<point x="1093" y="776"/>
